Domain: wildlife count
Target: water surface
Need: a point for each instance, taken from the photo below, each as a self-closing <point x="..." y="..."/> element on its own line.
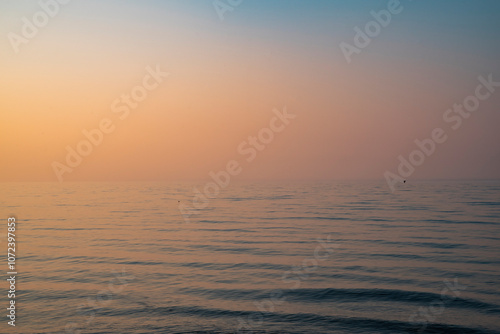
<point x="119" y="258"/>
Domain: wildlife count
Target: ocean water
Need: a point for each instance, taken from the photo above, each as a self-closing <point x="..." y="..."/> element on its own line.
<point x="345" y="257"/>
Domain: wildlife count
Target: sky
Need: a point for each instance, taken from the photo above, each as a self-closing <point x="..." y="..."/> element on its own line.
<point x="223" y="74"/>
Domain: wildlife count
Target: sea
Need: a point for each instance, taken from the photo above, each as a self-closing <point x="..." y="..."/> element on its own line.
<point x="253" y="257"/>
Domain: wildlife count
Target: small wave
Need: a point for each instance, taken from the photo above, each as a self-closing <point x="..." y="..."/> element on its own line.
<point x="349" y="295"/>
<point x="312" y="321"/>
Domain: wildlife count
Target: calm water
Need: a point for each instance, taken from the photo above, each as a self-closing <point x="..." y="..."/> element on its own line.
<point x="260" y="258"/>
